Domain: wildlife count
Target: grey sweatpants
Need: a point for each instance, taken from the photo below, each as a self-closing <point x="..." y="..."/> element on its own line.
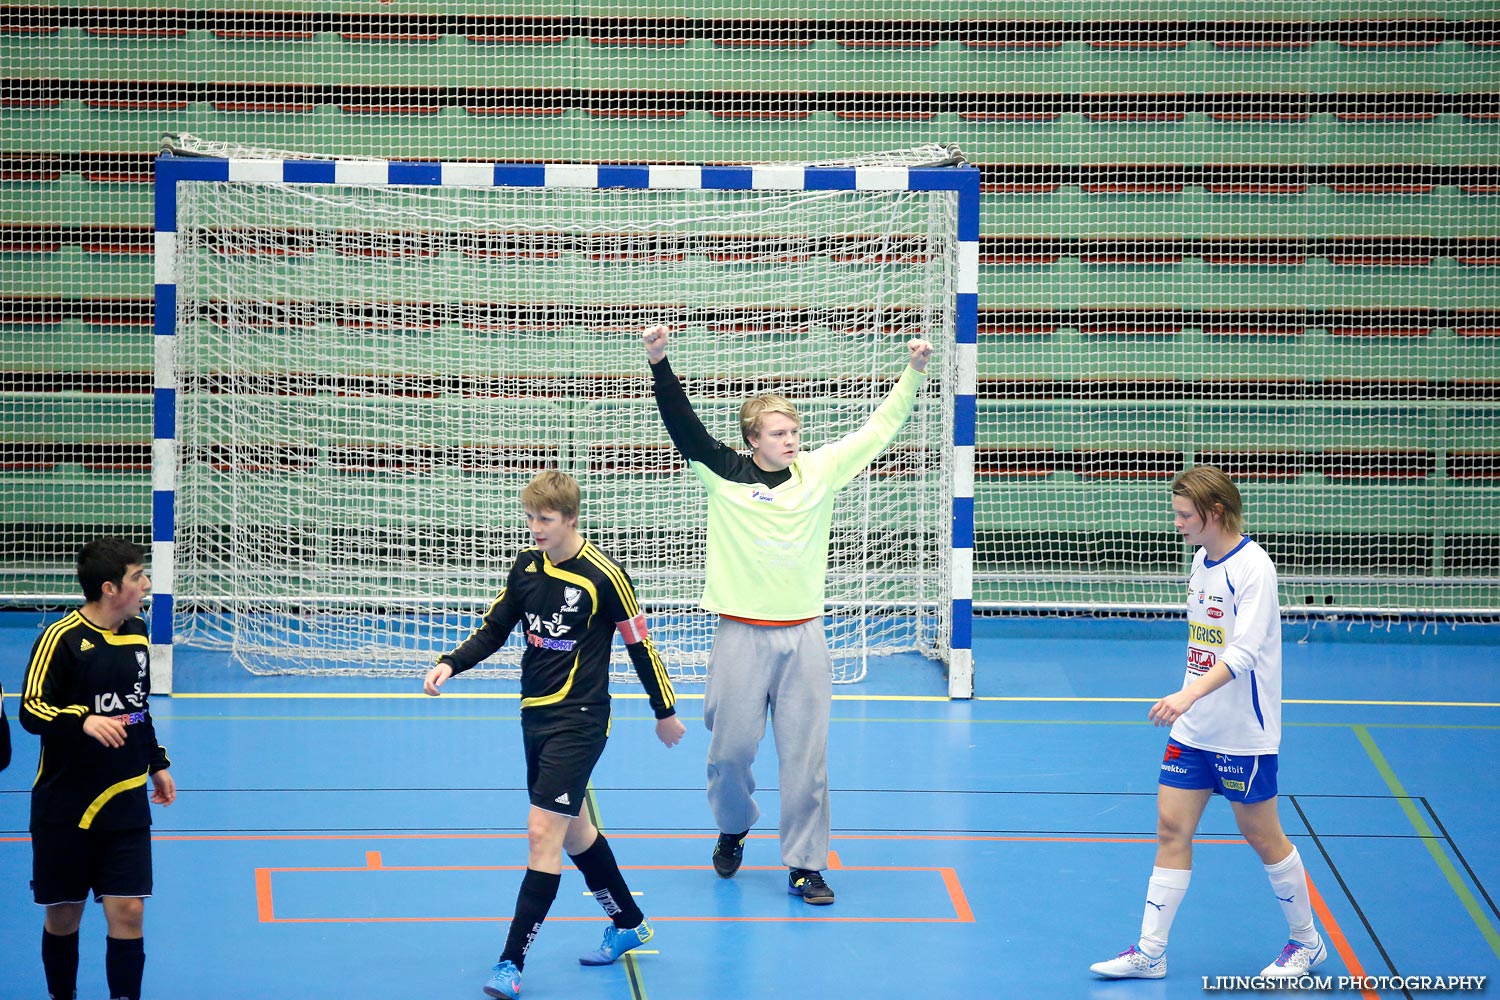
<point x="787" y="670"/>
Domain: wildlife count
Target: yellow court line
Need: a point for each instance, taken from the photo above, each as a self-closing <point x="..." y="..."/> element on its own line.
<point x="342" y="695"/>
<point x="1036" y="699"/>
<point x="1397" y="704"/>
<point x="872" y="719"/>
<point x="1285" y="701"/>
<point x="515" y="696"/>
<point x="873" y="697"/>
<point x="488" y="695"/>
<point x="1030" y="697"/>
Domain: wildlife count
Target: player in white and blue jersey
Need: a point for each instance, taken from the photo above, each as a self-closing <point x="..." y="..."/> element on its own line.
<point x="1226" y="729"/>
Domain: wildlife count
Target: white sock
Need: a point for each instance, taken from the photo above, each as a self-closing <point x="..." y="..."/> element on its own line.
<point x="1163" y="895"/>
<point x="1289" y="883"/>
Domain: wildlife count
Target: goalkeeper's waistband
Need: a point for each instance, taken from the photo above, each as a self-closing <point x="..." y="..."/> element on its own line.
<point x="765" y="623"/>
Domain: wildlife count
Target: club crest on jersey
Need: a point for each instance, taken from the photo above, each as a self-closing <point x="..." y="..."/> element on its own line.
<point x="570" y="598"/>
<point x="140" y="662"/>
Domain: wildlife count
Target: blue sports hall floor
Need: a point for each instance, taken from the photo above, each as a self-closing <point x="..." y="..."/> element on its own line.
<point x="340" y="837"/>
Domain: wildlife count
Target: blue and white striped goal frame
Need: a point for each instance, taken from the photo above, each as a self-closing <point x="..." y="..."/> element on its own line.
<point x="963" y="180"/>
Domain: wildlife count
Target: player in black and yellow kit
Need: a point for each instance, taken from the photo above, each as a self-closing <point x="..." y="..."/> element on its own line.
<point x="85" y="695"/>
<point x="572" y="599"/>
<point x="4" y="733"/>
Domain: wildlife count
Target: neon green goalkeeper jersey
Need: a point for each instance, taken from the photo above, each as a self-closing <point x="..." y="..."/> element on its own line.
<point x="768" y="532"/>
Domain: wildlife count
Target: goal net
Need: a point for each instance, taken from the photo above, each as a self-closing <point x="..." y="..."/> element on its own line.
<point x="367" y="372"/>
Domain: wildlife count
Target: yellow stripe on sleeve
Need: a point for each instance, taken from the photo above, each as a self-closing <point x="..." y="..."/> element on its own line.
<point x="31" y="695"/>
<point x="632" y="608"/>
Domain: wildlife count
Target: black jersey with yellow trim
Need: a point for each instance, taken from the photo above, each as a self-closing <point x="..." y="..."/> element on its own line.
<point x="4" y="733"/>
<point x="570" y="612"/>
<point x="78" y="669"/>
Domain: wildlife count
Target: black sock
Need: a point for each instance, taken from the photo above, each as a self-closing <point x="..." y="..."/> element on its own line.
<point x="60" y="963"/>
<point x="538" y="890"/>
<point x="602" y="874"/>
<point x="124" y="961"/>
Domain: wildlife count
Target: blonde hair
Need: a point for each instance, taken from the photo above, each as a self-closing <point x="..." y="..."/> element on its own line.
<point x="1210" y="492"/>
<point x="754" y="410"/>
<point x="552" y="490"/>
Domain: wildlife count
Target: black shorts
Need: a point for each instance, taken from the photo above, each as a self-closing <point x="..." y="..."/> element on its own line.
<point x="66" y="863"/>
<point x="560" y="756"/>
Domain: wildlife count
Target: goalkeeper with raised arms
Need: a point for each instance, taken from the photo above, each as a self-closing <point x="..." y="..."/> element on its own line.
<point x="571" y="598"/>
<point x="769" y="514"/>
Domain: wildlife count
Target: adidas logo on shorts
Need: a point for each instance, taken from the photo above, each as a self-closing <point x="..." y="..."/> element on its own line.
<point x="562" y="800"/>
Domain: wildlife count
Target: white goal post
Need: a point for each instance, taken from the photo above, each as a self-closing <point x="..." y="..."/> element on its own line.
<point x="360" y="363"/>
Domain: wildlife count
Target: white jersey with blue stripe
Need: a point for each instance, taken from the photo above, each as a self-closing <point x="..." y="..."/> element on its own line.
<point x="1234" y="616"/>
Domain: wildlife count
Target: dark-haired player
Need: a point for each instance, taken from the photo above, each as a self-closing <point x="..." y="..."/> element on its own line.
<point x="4" y="733"/>
<point x="85" y="694"/>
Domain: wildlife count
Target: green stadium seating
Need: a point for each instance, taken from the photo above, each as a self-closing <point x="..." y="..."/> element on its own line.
<point x="1387" y="361"/>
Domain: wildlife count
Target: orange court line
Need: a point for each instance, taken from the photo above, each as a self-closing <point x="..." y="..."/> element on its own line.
<point x="266" y="909"/>
<point x="913" y="837"/>
<point x="263" y="905"/>
<point x="628" y="868"/>
<point x="950" y="876"/>
<point x="1336" y="935"/>
<point x="956" y="893"/>
<point x="962" y="912"/>
<point x="654" y="919"/>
